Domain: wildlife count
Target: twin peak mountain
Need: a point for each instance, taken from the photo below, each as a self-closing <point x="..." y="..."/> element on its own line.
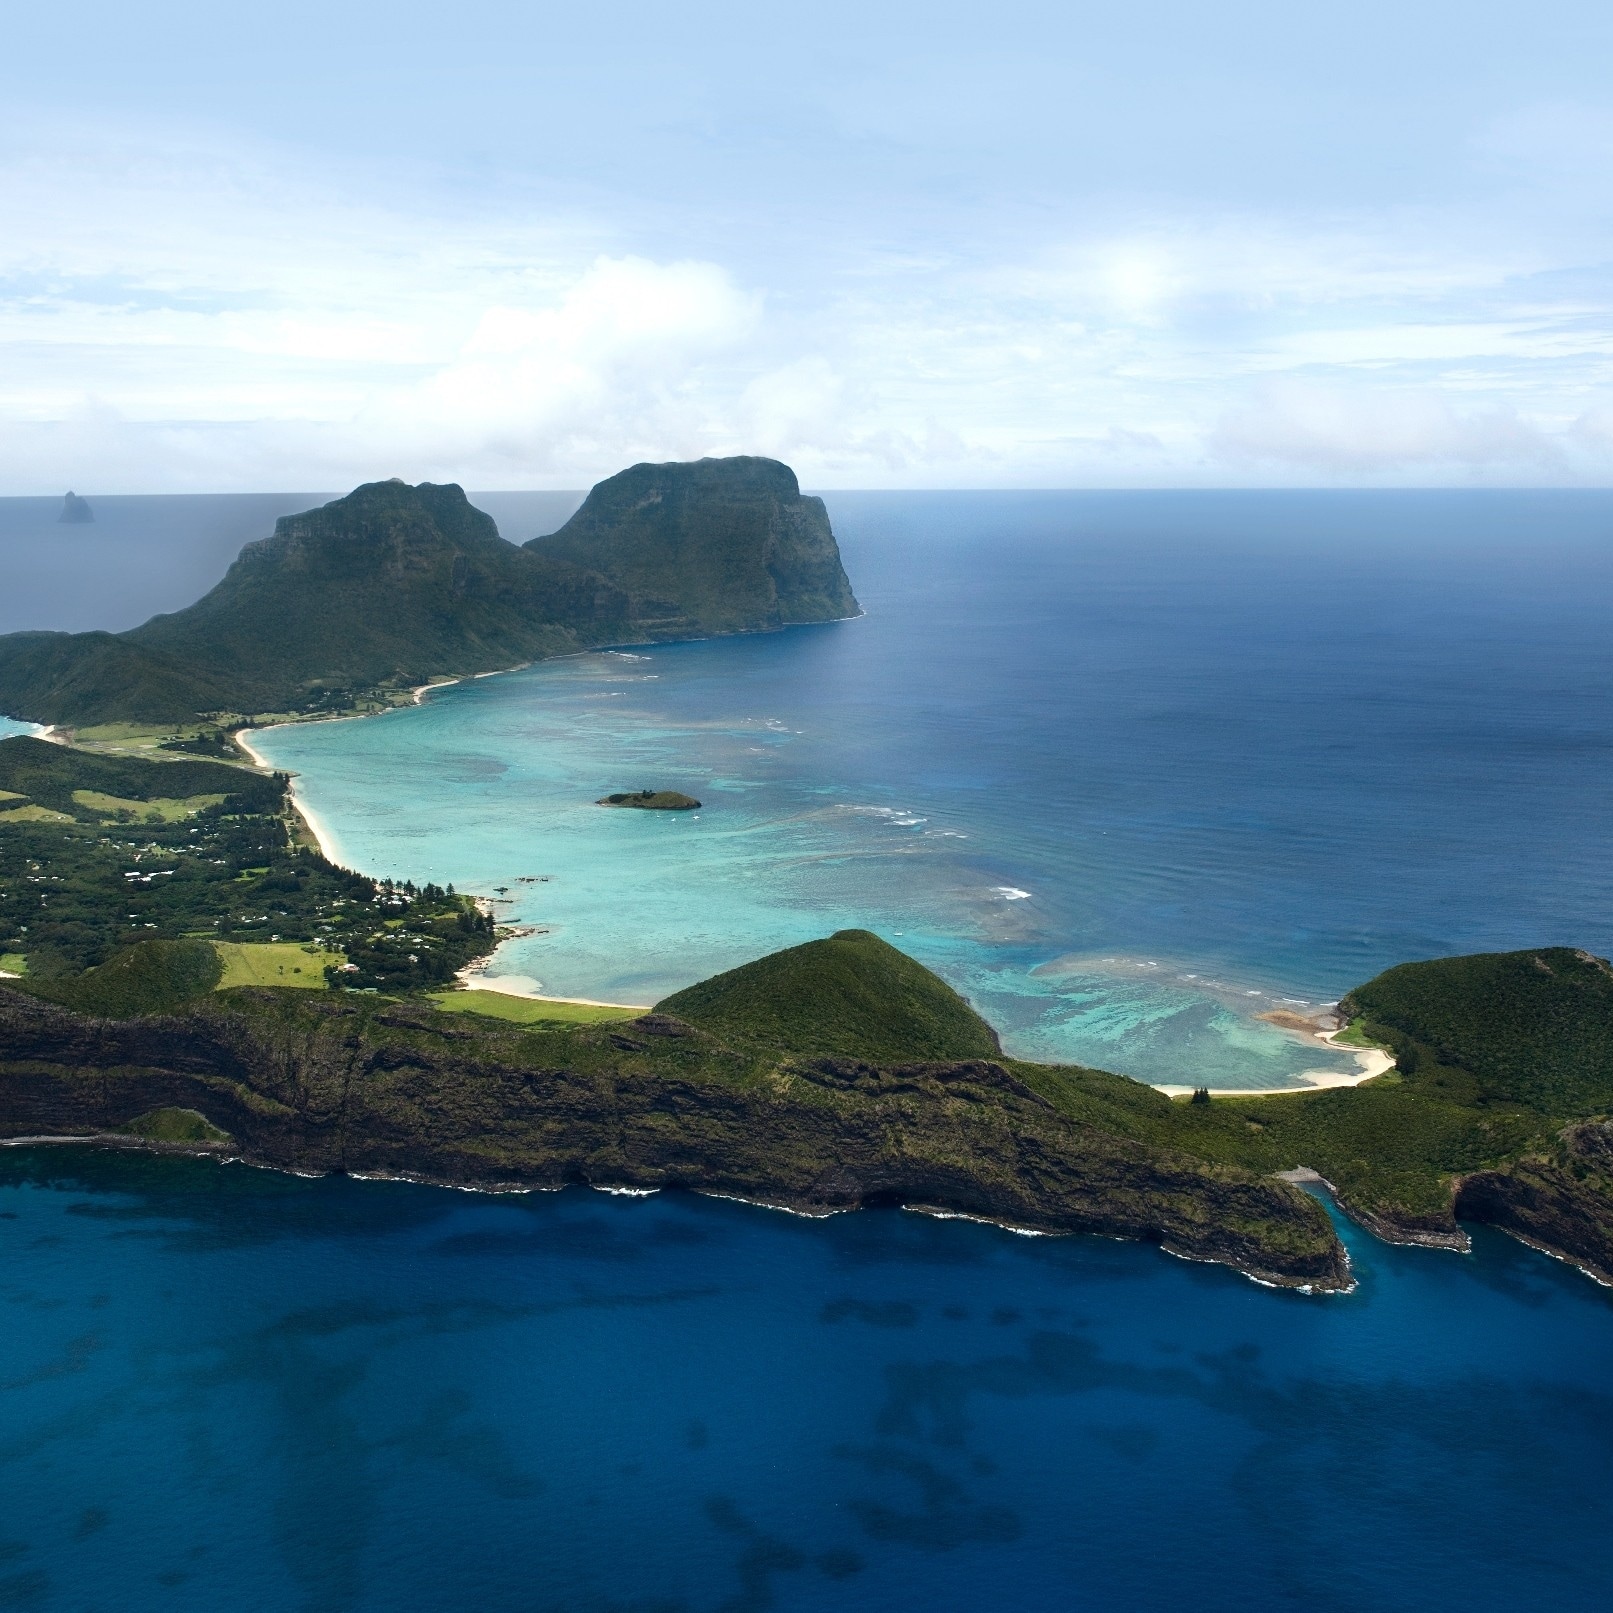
<point x="393" y="586"/>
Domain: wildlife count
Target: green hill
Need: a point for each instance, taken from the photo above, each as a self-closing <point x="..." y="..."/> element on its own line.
<point x="1533" y="1027"/>
<point x="150" y="977"/>
<point x="717" y="546"/>
<point x="394" y="585"/>
<point x="851" y="996"/>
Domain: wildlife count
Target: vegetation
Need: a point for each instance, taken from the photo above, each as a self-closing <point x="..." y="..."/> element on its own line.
<point x="650" y="800"/>
<point x="1504" y="1083"/>
<point x="852" y="996"/>
<point x="718" y="546"/>
<point x="349" y="606"/>
<point x="176" y="1126"/>
<point x="270" y="963"/>
<point x="1533" y="1028"/>
<point x="319" y="1081"/>
<point x="77" y="889"/>
<point x="56" y="776"/>
<point x="150" y="977"/>
<point x="542" y="1011"/>
<point x="838" y="1071"/>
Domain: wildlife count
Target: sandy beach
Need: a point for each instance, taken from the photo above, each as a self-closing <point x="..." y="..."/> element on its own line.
<point x="319" y="830"/>
<point x="473" y="978"/>
<point x="1370" y="1062"/>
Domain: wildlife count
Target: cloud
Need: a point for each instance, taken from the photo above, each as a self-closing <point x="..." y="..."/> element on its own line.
<point x="179" y="314"/>
<point x="617" y="360"/>
<point x="1334" y="431"/>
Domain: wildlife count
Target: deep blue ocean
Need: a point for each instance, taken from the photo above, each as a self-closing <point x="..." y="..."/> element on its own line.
<point x="1129" y="769"/>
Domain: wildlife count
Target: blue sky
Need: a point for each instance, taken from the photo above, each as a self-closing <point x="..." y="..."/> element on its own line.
<point x="897" y="245"/>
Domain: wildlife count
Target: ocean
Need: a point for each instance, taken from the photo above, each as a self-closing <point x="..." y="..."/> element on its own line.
<point x="1130" y="770"/>
<point x="226" y="1388"/>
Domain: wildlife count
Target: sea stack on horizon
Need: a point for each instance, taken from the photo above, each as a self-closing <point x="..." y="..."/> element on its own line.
<point x="76" y="511"/>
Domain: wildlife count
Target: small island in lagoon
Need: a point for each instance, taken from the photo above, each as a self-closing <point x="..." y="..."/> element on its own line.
<point x="201" y="978"/>
<point x="650" y="800"/>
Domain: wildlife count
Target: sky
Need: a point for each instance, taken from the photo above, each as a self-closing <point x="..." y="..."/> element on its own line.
<point x="897" y="245"/>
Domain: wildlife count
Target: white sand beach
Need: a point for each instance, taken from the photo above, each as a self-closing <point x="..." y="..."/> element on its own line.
<point x="1370" y="1062"/>
<point x="319" y="830"/>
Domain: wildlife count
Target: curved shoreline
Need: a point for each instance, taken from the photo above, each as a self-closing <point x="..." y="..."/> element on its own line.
<point x="1370" y="1063"/>
<point x="322" y="835"/>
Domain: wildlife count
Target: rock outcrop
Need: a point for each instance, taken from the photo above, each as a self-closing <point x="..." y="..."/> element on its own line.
<point x="317" y="1082"/>
<point x="394" y="586"/>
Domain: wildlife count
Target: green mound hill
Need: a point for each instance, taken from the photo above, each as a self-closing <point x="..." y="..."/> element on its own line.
<point x="852" y="996"/>
<point x="717" y="546"/>
<point x="1533" y="1027"/>
<point x="394" y="585"/>
<point x="150" y="977"/>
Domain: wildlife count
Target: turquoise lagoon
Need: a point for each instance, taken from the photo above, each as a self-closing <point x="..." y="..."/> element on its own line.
<point x="1127" y="769"/>
<point x="1275" y="741"/>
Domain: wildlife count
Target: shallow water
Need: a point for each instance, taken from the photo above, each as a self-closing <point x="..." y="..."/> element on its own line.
<point x="1126" y="768"/>
<point x="1277" y="740"/>
<point x="223" y="1387"/>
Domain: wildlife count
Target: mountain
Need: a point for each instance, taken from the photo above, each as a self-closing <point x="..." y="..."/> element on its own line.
<point x="717" y="546"/>
<point x="850" y="996"/>
<point x="76" y="511"/>
<point x="395" y="585"/>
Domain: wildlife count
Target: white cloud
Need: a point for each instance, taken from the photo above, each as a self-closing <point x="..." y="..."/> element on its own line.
<point x="618" y="358"/>
<point x="178" y="316"/>
<point x="1333" y="431"/>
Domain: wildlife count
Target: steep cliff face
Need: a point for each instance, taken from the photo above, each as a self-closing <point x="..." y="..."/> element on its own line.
<point x="390" y="585"/>
<point x="1562" y="1203"/>
<point x="394" y="585"/>
<point x="334" y="1084"/>
<point x="720" y="545"/>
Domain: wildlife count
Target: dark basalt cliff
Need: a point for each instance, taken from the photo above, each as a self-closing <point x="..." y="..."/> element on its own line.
<point x="1497" y="1110"/>
<point x="720" y="545"/>
<point x="329" y="1083"/>
<point x="394" y="586"/>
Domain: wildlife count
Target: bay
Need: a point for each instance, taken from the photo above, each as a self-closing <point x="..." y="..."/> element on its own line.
<point x="1127" y="769"/>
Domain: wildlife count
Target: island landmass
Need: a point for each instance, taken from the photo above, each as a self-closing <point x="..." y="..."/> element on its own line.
<point x="650" y="800"/>
<point x="187" y="970"/>
<point x="179" y="949"/>
<point x="351" y="607"/>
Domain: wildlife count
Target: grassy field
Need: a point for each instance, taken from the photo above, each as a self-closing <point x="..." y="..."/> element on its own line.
<point x="14" y="963"/>
<point x="164" y="809"/>
<point x="528" y="1010"/>
<point x="273" y="963"/>
<point x="33" y="814"/>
